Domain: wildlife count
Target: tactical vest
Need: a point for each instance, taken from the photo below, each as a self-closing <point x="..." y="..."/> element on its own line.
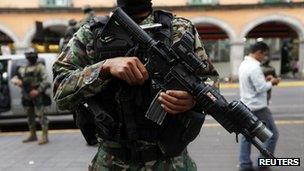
<point x="136" y="98"/>
<point x="31" y="78"/>
<point x="120" y="112"/>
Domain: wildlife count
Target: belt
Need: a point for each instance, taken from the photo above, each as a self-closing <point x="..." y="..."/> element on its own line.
<point x="135" y="154"/>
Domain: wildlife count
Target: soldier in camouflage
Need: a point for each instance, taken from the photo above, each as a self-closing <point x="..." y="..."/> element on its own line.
<point x="80" y="73"/>
<point x="33" y="81"/>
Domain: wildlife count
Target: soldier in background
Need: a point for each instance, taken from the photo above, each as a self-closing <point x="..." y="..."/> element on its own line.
<point x="89" y="14"/>
<point x="68" y="34"/>
<point x="253" y="92"/>
<point x="32" y="79"/>
<point x="73" y="26"/>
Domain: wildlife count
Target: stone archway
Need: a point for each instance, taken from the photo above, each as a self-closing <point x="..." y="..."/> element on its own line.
<point x="9" y="33"/>
<point x="292" y="22"/>
<point x="230" y="33"/>
<point x="222" y="24"/>
<point x="26" y="43"/>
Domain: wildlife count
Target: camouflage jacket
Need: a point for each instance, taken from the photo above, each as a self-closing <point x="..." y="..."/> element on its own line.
<point x="77" y="72"/>
<point x="33" y="77"/>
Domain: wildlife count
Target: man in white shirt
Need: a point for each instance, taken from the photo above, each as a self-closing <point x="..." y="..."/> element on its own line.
<point x="253" y="91"/>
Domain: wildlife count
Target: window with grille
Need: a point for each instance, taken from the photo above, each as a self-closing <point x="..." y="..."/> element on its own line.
<point x="203" y="2"/>
<point x="55" y="3"/>
<point x="274" y="1"/>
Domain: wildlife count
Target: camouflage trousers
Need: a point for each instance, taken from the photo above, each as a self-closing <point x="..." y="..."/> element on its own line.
<point x="106" y="162"/>
<point x="32" y="112"/>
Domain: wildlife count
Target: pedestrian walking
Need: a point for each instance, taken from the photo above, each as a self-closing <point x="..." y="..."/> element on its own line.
<point x="253" y="92"/>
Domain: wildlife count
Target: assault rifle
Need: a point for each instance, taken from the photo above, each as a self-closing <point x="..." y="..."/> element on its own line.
<point x="174" y="68"/>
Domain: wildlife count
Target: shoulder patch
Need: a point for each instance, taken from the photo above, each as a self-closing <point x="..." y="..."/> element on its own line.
<point x="180" y="21"/>
<point x="180" y="26"/>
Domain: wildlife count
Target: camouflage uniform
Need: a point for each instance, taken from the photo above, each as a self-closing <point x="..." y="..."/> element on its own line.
<point x="77" y="76"/>
<point x="106" y="162"/>
<point x="34" y="76"/>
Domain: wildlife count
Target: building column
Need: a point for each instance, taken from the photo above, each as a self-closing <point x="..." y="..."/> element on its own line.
<point x="21" y="48"/>
<point x="236" y="57"/>
<point x="301" y="58"/>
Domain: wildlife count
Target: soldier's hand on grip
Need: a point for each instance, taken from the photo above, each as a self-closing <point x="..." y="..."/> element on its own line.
<point x="175" y="101"/>
<point x="129" y="69"/>
<point x="34" y="93"/>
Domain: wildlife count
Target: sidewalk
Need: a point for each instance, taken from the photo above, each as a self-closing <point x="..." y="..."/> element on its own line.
<point x="283" y="84"/>
<point x="66" y="151"/>
<point x="213" y="150"/>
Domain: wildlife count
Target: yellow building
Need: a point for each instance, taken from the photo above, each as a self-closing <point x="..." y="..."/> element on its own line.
<point x="227" y="27"/>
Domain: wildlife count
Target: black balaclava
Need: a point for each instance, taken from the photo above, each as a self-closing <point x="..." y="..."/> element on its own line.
<point x="133" y="7"/>
<point x="31" y="57"/>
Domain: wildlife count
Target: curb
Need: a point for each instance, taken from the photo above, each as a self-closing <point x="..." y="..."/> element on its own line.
<point x="281" y="85"/>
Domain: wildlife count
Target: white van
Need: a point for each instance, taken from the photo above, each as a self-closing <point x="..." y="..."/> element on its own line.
<point x="10" y="95"/>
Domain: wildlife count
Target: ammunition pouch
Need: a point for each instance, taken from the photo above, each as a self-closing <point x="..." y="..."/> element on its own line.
<point x="47" y="101"/>
<point x="25" y="99"/>
<point x="179" y="131"/>
<point x="93" y="118"/>
<point x="84" y="120"/>
<point x="26" y="102"/>
<point x="172" y="137"/>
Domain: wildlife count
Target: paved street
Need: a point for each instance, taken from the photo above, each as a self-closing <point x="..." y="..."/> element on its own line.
<point x="285" y="100"/>
<point x="66" y="151"/>
<point x="216" y="150"/>
<point x="213" y="150"/>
